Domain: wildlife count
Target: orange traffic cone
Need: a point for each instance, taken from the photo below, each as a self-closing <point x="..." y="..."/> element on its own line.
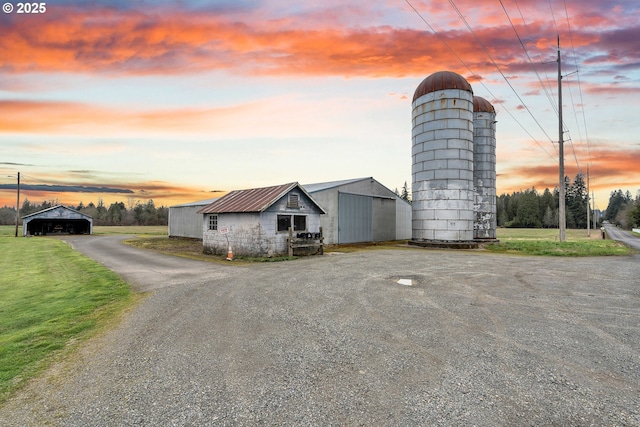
<point x="229" y="254"/>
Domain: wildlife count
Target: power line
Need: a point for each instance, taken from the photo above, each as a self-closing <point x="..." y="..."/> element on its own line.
<point x="555" y="25"/>
<point x="524" y="48"/>
<point x="475" y="75"/>
<point x="575" y="59"/>
<point x="497" y="67"/>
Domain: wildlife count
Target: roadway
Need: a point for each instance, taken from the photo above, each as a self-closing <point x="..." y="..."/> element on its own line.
<point x="623" y="236"/>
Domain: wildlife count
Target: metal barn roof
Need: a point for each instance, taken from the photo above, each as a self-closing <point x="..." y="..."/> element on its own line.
<point x="46" y="212"/>
<point x="320" y="186"/>
<point x="197" y="203"/>
<point x="252" y="200"/>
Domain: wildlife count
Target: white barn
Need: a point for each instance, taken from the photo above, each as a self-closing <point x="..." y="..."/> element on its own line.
<point x="256" y="222"/>
<point x="361" y="210"/>
<point x="185" y="221"/>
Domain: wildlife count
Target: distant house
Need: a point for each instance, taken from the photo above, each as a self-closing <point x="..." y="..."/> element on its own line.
<point x="361" y="210"/>
<point x="56" y="220"/>
<point x="185" y="221"/>
<point x="256" y="222"/>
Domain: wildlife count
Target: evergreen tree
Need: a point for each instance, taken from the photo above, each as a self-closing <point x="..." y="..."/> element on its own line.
<point x="576" y="202"/>
<point x="617" y="201"/>
<point x="634" y="215"/>
<point x="7" y="215"/>
<point x="405" y="192"/>
<point x="115" y="213"/>
<point x="528" y="213"/>
<point x="550" y="219"/>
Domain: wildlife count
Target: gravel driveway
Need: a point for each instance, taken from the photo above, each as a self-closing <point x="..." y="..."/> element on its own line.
<point x="479" y="339"/>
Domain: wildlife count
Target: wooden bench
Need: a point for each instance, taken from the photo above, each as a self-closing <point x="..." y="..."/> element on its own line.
<point x="306" y="240"/>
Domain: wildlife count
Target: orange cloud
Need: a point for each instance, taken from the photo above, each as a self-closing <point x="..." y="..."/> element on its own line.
<point x="18" y="116"/>
<point x="132" y="42"/>
<point x="162" y="193"/>
<point x="609" y="168"/>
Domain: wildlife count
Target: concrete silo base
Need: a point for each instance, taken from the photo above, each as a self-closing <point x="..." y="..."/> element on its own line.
<point x="439" y="244"/>
<point x="443" y="244"/>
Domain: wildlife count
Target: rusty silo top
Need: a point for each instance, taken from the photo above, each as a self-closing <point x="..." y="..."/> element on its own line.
<point x="481" y="105"/>
<point x="440" y="81"/>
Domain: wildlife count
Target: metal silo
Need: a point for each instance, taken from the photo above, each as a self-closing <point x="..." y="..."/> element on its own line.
<point x="484" y="168"/>
<point x="442" y="166"/>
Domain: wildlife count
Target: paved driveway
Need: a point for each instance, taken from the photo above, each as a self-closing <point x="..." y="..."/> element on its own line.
<point x="623" y="236"/>
<point x="479" y="339"/>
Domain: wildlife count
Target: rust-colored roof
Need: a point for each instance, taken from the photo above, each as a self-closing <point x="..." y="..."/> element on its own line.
<point x="440" y="81"/>
<point x="481" y="105"/>
<point x="252" y="200"/>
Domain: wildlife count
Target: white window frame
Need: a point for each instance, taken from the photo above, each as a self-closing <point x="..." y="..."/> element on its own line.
<point x="213" y="222"/>
<point x="292" y="219"/>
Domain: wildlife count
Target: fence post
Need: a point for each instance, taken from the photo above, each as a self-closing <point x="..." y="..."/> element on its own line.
<point x="290" y="242"/>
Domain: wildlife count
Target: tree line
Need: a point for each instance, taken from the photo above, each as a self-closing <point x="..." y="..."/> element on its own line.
<point x="531" y="209"/>
<point x="623" y="210"/>
<point x="119" y="213"/>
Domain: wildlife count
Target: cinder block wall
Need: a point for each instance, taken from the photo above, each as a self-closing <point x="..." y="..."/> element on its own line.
<point x="246" y="236"/>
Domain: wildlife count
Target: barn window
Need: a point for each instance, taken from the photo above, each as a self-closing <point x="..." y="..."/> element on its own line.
<point x="294" y="201"/>
<point x="285" y="221"/>
<point x="213" y="222"/>
<point x="299" y="222"/>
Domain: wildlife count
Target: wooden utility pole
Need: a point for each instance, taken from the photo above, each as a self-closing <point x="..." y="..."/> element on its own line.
<point x="562" y="216"/>
<point x="18" y="206"/>
<point x="588" y="207"/>
<point x="595" y="220"/>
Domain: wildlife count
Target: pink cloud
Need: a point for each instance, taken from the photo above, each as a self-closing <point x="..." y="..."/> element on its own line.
<point x="134" y="42"/>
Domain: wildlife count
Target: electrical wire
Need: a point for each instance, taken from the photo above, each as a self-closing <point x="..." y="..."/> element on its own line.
<point x="464" y="20"/>
<point x="524" y="48"/>
<point x="475" y="75"/>
<point x="575" y="58"/>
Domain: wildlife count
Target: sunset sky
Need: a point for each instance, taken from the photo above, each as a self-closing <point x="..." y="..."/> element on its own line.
<point x="178" y="101"/>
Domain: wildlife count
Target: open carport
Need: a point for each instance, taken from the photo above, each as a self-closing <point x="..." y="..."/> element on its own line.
<point x="56" y="220"/>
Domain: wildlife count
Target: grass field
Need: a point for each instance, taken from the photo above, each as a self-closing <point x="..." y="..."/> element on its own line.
<point x="536" y="241"/>
<point x="151" y="230"/>
<point x="51" y="298"/>
<point x="524" y="241"/>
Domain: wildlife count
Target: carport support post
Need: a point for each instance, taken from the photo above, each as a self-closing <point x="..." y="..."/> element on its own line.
<point x="18" y="205"/>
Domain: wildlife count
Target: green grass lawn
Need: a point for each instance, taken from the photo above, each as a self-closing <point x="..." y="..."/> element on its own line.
<point x="152" y="230"/>
<point x="51" y="297"/>
<point x="536" y="241"/>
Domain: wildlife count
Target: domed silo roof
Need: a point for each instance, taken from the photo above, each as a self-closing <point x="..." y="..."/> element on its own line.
<point x="481" y="105"/>
<point x="440" y="81"/>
